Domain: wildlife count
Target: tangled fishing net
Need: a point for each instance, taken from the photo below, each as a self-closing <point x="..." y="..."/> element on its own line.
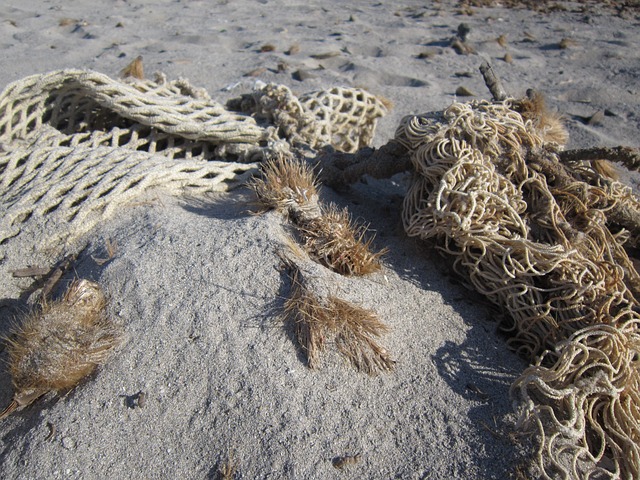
<point x="536" y="237"/>
<point x="77" y="145"/>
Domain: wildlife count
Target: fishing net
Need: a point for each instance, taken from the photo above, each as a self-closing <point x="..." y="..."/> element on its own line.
<point x="534" y="236"/>
<point x="585" y="406"/>
<point x="77" y="145"/>
<point x="344" y="118"/>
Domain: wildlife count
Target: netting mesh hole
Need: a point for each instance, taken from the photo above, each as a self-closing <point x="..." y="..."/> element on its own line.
<point x="51" y="209"/>
<point x="123" y="139"/>
<point x="161" y="144"/>
<point x="78" y="201"/>
<point x="133" y="184"/>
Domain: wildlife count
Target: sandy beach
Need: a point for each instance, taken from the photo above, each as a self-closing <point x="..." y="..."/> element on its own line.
<point x="196" y="280"/>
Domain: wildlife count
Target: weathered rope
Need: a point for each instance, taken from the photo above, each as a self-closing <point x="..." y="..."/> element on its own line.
<point x="76" y="145"/>
<point x="75" y="99"/>
<point x="344" y="118"/>
<point x="533" y="236"/>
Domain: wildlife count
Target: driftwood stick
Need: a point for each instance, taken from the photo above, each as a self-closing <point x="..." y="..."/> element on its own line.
<point x="622" y="214"/>
<point x="56" y="274"/>
<point x="341" y="169"/>
<point x="30" y="272"/>
<point x="492" y="82"/>
<point x="627" y="156"/>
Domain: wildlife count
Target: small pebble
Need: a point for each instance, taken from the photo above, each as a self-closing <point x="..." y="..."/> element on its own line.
<point x="567" y="43"/>
<point x="141" y="399"/>
<point x="293" y="49"/>
<point x="69" y="443"/>
<point x="463" y="31"/>
<point x="302" y="75"/>
<point x="323" y="56"/>
<point x="596" y="119"/>
<point x="461" y="48"/>
<point x="429" y="53"/>
<point x="464" y="92"/>
<point x="345" y="460"/>
<point x="255" y="72"/>
<point x="65" y="22"/>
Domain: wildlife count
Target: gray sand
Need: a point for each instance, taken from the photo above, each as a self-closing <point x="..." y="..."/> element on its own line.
<point x="198" y="283"/>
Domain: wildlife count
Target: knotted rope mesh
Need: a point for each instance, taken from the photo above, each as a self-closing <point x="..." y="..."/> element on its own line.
<point x="76" y="145"/>
<point x="539" y="246"/>
<point x="344" y="118"/>
<point x="78" y="100"/>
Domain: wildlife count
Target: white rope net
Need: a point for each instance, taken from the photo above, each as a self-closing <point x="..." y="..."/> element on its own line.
<point x="76" y="145"/>
<point x="344" y="118"/>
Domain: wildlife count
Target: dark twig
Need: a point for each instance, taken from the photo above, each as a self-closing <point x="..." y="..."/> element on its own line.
<point x="56" y="274"/>
<point x="621" y="214"/>
<point x="492" y="82"/>
<point x="627" y="156"/>
<point x="30" y="272"/>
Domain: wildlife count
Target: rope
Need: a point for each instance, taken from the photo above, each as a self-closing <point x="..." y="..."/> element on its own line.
<point x="539" y="247"/>
<point x="77" y="145"/>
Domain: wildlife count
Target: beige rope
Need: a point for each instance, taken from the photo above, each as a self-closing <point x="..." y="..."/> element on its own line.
<point x="73" y="99"/>
<point x="66" y="190"/>
<point x="344" y="118"/>
<point x="77" y="145"/>
<point x="539" y="247"/>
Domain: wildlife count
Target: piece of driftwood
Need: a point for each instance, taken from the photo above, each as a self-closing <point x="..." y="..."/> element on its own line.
<point x="493" y="83"/>
<point x="56" y="273"/>
<point x="30" y="272"/>
<point x="620" y="214"/>
<point x="627" y="156"/>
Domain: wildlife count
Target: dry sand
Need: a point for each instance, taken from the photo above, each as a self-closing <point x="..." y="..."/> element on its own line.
<point x="197" y="282"/>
